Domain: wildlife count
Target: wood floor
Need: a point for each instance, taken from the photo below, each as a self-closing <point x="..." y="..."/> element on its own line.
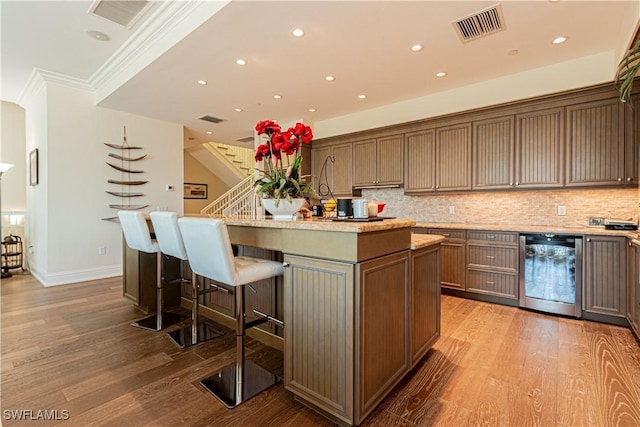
<point x="70" y="349"/>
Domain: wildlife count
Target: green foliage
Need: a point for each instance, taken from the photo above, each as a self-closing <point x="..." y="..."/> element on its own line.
<point x="627" y="72"/>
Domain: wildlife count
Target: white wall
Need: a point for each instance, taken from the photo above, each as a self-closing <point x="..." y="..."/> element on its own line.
<point x="12" y="150"/>
<point x="67" y="206"/>
<point x="195" y="172"/>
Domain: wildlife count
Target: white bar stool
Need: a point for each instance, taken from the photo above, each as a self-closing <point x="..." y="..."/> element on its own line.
<point x="169" y="238"/>
<point x="137" y="235"/>
<point x="210" y="255"/>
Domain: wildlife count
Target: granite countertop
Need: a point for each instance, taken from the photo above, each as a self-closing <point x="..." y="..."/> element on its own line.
<point x="631" y="234"/>
<point x="320" y="224"/>
<point x="419" y="241"/>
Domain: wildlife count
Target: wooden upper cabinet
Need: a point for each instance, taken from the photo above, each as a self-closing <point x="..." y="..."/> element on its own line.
<point x="540" y="149"/>
<point x="420" y="169"/>
<point x="453" y="158"/>
<point x="595" y="143"/>
<point x="632" y="141"/>
<point x="378" y="161"/>
<point x="338" y="170"/>
<point x="493" y="153"/>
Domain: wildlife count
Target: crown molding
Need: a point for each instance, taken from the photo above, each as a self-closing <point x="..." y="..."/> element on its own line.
<point x="170" y="23"/>
<point x="39" y="77"/>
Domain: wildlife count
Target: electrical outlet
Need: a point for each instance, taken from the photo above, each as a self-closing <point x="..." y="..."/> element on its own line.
<point x="595" y="221"/>
<point x="168" y="187"/>
<point x="102" y="250"/>
<point x="562" y="210"/>
<point x="452" y="210"/>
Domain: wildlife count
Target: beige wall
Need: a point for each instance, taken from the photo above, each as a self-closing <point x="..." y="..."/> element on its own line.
<point x="512" y="207"/>
<point x="195" y="172"/>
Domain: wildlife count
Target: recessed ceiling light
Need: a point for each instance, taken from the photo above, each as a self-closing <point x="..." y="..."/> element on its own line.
<point x="209" y="132"/>
<point x="202" y="82"/>
<point x="239" y="110"/>
<point x="416" y="48"/>
<point x="441" y="74"/>
<point x="97" y="35"/>
<point x="512" y="52"/>
<point x="362" y="96"/>
<point x="241" y="62"/>
<point x="298" y="32"/>
<point x="277" y="96"/>
<point x="559" y="40"/>
<point x="329" y="78"/>
<point x="312" y="110"/>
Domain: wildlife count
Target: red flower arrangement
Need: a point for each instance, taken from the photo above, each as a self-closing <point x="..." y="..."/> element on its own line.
<point x="282" y="178"/>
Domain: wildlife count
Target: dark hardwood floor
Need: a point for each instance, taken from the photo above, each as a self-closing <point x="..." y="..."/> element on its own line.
<point x="69" y="350"/>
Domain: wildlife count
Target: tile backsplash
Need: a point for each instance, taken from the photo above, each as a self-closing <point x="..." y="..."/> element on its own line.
<point x="512" y="207"/>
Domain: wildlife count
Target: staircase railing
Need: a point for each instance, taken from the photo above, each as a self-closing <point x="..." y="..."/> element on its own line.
<point x="233" y="197"/>
<point x="238" y="159"/>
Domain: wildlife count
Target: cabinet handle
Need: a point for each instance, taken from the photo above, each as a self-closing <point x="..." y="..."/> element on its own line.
<point x="619" y="179"/>
<point x="491" y="237"/>
<point x="490" y="283"/>
<point x="437" y="186"/>
<point x="446" y="234"/>
<point x="511" y="184"/>
<point x="517" y="183"/>
<point x="629" y="243"/>
<point x="286" y="264"/>
<point x="629" y="179"/>
<point x="588" y="239"/>
<point x="491" y="257"/>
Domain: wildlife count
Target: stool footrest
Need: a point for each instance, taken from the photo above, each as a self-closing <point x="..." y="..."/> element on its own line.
<point x="224" y="384"/>
<point x="268" y="318"/>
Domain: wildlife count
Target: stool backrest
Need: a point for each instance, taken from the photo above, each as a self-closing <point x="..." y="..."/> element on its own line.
<point x="165" y="226"/>
<point x="209" y="248"/>
<point x="136" y="232"/>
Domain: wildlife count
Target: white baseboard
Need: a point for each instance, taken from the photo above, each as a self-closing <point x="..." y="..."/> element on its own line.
<point x="75" y="276"/>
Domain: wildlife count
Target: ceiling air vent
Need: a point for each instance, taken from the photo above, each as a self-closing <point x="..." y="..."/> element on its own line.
<point x="480" y="24"/>
<point x="245" y="139"/>
<point x="211" y="119"/>
<point x="125" y="13"/>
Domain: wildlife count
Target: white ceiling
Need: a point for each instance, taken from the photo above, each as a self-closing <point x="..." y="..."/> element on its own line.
<point x="364" y="44"/>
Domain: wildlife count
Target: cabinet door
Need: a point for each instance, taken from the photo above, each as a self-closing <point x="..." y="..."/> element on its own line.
<point x="342" y="170"/>
<point x="318" y="302"/>
<point x="419" y="173"/>
<point x="364" y="162"/>
<point x="595" y="143"/>
<point x="453" y="262"/>
<point x="493" y="153"/>
<point x="321" y="179"/>
<point x="632" y="120"/>
<point x="604" y="279"/>
<point x="453" y="154"/>
<point x="390" y="155"/>
<point x="539" y="149"/>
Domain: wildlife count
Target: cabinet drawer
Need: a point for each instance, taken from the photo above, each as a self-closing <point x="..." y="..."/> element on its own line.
<point x="490" y="283"/>
<point x="503" y="257"/>
<point x="448" y="233"/>
<point x="500" y="237"/>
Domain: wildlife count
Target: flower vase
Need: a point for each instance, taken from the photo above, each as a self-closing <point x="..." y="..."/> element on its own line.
<point x="285" y="209"/>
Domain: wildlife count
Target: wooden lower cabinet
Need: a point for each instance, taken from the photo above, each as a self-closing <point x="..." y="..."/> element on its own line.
<point x="605" y="276"/>
<point x="492" y="263"/>
<point x="353" y="330"/>
<point x="453" y="262"/>
<point x="633" y="286"/>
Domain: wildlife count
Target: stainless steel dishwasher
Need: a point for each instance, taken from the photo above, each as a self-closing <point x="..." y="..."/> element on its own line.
<point x="551" y="273"/>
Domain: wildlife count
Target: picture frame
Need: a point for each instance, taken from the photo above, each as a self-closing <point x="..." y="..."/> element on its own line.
<point x="195" y="191"/>
<point x="33" y="168"/>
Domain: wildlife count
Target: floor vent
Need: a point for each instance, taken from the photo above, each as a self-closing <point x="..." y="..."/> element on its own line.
<point x="124" y="13"/>
<point x="246" y="139"/>
<point x="480" y="24"/>
<point x="211" y="119"/>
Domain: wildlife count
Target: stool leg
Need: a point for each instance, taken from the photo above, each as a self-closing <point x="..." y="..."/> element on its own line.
<point x="195" y="295"/>
<point x="159" y="296"/>
<point x="245" y="379"/>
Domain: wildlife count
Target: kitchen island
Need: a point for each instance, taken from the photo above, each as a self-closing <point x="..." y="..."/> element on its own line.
<point x="360" y="303"/>
<point x="361" y="306"/>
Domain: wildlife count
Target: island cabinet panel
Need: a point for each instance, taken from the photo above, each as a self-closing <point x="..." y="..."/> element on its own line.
<point x="605" y="276"/>
<point x="493" y="153"/>
<point x="425" y="301"/>
<point x="595" y="143"/>
<point x="633" y="283"/>
<point x="540" y="149"/>
<point x="383" y="328"/>
<point x="319" y="334"/>
<point x="337" y="176"/>
<point x="453" y="158"/>
<point x="453" y="258"/>
<point x="420" y="169"/>
<point x="378" y="161"/>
